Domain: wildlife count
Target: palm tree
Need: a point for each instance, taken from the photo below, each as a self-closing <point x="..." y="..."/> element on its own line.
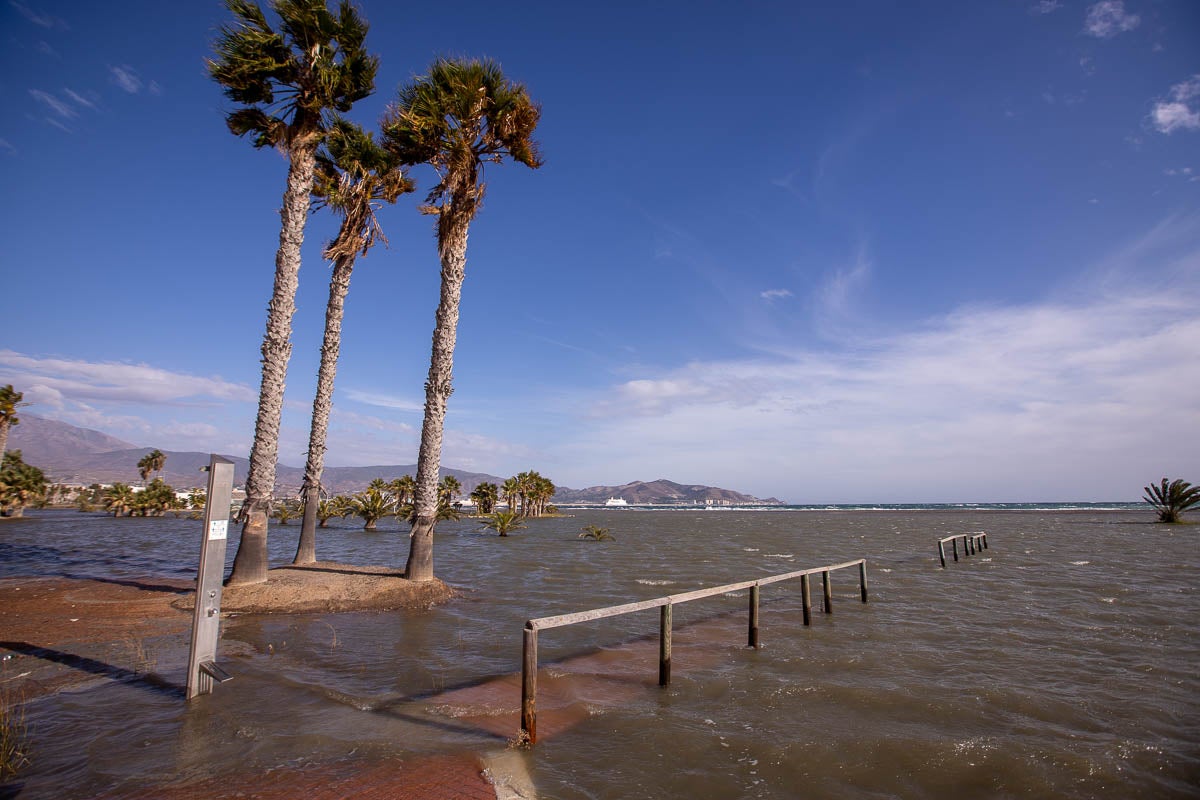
<point x="448" y="489"/>
<point x="373" y="505"/>
<point x="402" y="489"/>
<point x="151" y="463"/>
<point x="504" y="521"/>
<point x="1172" y="499"/>
<point x="285" y="83"/>
<point x="119" y="499"/>
<point x="21" y="485"/>
<point x="510" y="489"/>
<point x="354" y="175"/>
<point x="458" y="117"/>
<point x="597" y="533"/>
<point x="485" y="495"/>
<point x="10" y="401"/>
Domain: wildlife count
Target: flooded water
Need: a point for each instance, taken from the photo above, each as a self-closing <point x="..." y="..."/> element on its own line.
<point x="1064" y="661"/>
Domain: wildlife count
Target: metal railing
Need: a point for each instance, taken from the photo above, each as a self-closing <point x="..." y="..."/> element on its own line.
<point x="529" y="661"/>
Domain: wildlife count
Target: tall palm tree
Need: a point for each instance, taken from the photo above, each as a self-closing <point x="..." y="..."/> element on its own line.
<point x="485" y="495"/>
<point x="448" y="489"/>
<point x="354" y="177"/>
<point x="460" y="116"/>
<point x="403" y="488"/>
<point x="10" y="401"/>
<point x="152" y="462"/>
<point x="285" y="83"/>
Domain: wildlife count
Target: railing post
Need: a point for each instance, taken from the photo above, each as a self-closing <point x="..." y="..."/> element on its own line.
<point x="529" y="661"/>
<point x="983" y="538"/>
<point x="664" y="645"/>
<point x="806" y="596"/>
<point x="942" y="552"/>
<point x="827" y="591"/>
<point x="206" y="616"/>
<point x="753" y="638"/>
<point x="954" y="544"/>
<point x="862" y="579"/>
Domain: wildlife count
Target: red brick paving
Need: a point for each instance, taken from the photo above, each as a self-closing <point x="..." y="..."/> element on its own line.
<point x="449" y="777"/>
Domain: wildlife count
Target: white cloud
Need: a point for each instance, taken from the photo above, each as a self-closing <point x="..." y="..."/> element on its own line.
<point x="7" y="147"/>
<point x="775" y="294"/>
<point x="127" y="78"/>
<point x="53" y="103"/>
<point x="118" y="382"/>
<point x="1058" y="399"/>
<point x="383" y="400"/>
<point x="1108" y="18"/>
<point x="83" y="101"/>
<point x="1178" y="112"/>
<point x="1045" y="7"/>
<point x="41" y="20"/>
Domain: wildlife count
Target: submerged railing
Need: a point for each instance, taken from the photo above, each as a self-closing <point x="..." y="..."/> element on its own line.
<point x="529" y="661"/>
<point x="972" y="543"/>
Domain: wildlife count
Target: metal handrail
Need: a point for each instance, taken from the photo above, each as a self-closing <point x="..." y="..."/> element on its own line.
<point x="529" y="666"/>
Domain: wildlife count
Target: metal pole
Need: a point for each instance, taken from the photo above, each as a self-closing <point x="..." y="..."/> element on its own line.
<point x="206" y="618"/>
<point x="753" y="639"/>
<point x="664" y="646"/>
<point x="529" y="685"/>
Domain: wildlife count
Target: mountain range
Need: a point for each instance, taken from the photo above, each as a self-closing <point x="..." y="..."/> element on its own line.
<point x="74" y="455"/>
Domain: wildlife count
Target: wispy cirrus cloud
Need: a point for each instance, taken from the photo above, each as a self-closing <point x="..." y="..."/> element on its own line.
<point x="1108" y="18"/>
<point x="51" y="102"/>
<point x="381" y="400"/>
<point x="37" y="18"/>
<point x="771" y="295"/>
<point x="1180" y="111"/>
<point x="1045" y="7"/>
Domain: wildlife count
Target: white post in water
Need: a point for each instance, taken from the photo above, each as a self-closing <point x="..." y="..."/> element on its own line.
<point x="206" y="619"/>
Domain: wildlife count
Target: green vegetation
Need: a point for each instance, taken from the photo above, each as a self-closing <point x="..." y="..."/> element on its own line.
<point x="285" y="83"/>
<point x="502" y="522"/>
<point x="152" y="462"/>
<point x="485" y="496"/>
<point x="1172" y="499"/>
<point x="10" y="401"/>
<point x="460" y="116"/>
<point x="596" y="533"/>
<point x="373" y="505"/>
<point x="21" y="485"/>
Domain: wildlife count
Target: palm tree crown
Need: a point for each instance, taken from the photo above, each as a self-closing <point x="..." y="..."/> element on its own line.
<point x="287" y="80"/>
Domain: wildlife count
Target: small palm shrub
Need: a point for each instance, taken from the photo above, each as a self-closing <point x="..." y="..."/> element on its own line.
<point x="596" y="533"/>
<point x="1172" y="499"/>
<point x="502" y="522"/>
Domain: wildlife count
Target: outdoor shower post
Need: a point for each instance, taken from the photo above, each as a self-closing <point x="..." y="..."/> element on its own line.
<point x="206" y="618"/>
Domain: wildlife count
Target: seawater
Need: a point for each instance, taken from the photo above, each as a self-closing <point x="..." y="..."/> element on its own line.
<point x="1061" y="662"/>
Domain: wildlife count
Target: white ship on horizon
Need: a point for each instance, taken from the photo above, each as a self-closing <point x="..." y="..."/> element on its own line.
<point x="615" y="501"/>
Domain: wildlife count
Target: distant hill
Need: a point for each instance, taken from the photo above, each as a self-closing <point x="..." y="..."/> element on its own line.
<point x="660" y="492"/>
<point x="82" y="456"/>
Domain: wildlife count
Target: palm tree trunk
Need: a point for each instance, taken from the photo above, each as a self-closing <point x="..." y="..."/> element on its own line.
<point x="452" y="250"/>
<point x="250" y="564"/>
<point x="4" y="426"/>
<point x="339" y="285"/>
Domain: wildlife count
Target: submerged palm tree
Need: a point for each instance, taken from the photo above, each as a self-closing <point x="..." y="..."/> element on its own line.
<point x="373" y="505"/>
<point x="1172" y="499"/>
<point x="285" y="82"/>
<point x="504" y="521"/>
<point x="354" y="176"/>
<point x="597" y="533"/>
<point x="460" y="116"/>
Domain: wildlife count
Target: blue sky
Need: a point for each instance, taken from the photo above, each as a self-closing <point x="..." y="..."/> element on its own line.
<point x="830" y="252"/>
